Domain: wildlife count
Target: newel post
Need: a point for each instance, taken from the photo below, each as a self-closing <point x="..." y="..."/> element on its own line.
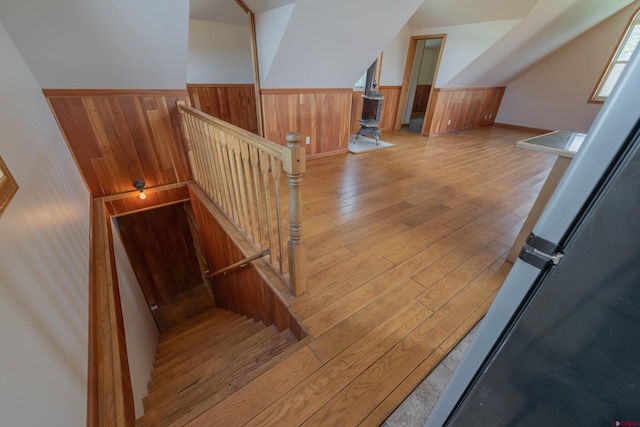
<point x="295" y="167"/>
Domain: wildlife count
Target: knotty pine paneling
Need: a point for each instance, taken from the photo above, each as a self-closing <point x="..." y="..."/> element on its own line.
<point x="159" y="245"/>
<point x="322" y="114"/>
<point x="464" y="107"/>
<point x="389" y="108"/>
<point x="421" y="99"/>
<point x="244" y="290"/>
<point x="117" y="136"/>
<point x="356" y="111"/>
<point x="233" y="103"/>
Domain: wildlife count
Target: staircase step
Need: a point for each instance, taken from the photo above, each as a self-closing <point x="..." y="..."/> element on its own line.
<point x="187" y="324"/>
<point x="182" y="336"/>
<point x="194" y="343"/>
<point x="180" y="406"/>
<point x="202" y="354"/>
<point x="173" y="382"/>
<point x="284" y="372"/>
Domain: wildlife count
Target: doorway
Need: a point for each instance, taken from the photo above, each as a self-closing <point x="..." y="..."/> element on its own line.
<point x="419" y="80"/>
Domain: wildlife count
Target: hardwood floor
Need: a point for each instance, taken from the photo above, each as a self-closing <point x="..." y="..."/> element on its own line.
<point x="406" y="250"/>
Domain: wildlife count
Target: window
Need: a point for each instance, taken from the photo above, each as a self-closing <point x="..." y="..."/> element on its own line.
<point x="619" y="60"/>
<point x="8" y="186"/>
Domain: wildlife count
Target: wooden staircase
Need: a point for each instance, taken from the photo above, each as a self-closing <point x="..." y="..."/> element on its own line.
<point x="204" y="360"/>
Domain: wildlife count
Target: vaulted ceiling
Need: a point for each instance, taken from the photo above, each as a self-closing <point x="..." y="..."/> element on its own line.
<point x="508" y="36"/>
<point x="311" y="43"/>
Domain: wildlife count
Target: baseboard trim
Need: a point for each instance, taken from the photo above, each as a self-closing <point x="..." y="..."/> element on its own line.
<point x="507" y="125"/>
<point x="328" y="154"/>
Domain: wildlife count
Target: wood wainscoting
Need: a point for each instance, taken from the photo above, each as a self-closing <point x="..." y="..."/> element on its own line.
<point x="389" y="107"/>
<point x="243" y="291"/>
<point x="233" y="103"/>
<point x="323" y="115"/>
<point x="462" y="108"/>
<point x="117" y="136"/>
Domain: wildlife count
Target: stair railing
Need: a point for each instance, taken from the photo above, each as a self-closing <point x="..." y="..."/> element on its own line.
<point x="236" y="265"/>
<point x="242" y="173"/>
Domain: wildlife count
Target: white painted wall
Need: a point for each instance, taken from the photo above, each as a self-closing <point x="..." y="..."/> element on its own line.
<point x="140" y="329"/>
<point x="219" y="53"/>
<point x="270" y="28"/>
<point x="394" y="58"/>
<point x="101" y="44"/>
<point x="464" y="43"/>
<point x="43" y="261"/>
<point x="554" y="93"/>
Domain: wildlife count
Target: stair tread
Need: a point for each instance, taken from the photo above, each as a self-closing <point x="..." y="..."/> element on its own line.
<point x="176" y="330"/>
<point x="182" y="349"/>
<point x="188" y="375"/>
<point x="239" y="407"/>
<point x="180" y="407"/>
<point x="186" y="333"/>
<point x="202" y="354"/>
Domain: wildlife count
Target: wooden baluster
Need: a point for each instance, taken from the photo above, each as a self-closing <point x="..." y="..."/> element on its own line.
<point x="295" y="167"/>
<point x="221" y="159"/>
<point x="255" y="176"/>
<point x="251" y="198"/>
<point x="201" y="137"/>
<point x="187" y="139"/>
<point x="244" y="173"/>
<point x="207" y="183"/>
<point x="194" y="128"/>
<point x="265" y="164"/>
<point x="229" y="165"/>
<point x="236" y="170"/>
<point x="276" y="172"/>
<point x="214" y="169"/>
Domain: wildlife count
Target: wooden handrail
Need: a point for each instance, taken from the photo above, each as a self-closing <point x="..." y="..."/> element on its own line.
<point x="110" y="397"/>
<point x="241" y="172"/>
<point x="240" y="264"/>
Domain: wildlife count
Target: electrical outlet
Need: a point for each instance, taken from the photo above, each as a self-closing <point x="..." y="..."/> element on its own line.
<point x="308" y="140"/>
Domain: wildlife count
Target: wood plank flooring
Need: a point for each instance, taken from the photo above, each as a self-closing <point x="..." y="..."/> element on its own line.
<point x="406" y="250"/>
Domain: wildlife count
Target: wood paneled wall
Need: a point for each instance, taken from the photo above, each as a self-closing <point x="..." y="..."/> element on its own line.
<point x="110" y="396"/>
<point x="356" y="111"/>
<point x="233" y="103"/>
<point x="455" y="109"/>
<point x="117" y="136"/>
<point x="389" y="107"/>
<point x="244" y="291"/>
<point x="421" y="99"/>
<point x="160" y="247"/>
<point x="322" y="114"/>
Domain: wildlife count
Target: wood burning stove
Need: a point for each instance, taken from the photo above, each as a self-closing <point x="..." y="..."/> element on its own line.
<point x="371" y="108"/>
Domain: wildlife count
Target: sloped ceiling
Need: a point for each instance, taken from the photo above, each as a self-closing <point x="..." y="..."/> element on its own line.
<point x="227" y="11"/>
<point x="525" y="31"/>
<point x="327" y="44"/>
<point x="438" y="13"/>
<point x="115" y="44"/>
<point x="548" y="26"/>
